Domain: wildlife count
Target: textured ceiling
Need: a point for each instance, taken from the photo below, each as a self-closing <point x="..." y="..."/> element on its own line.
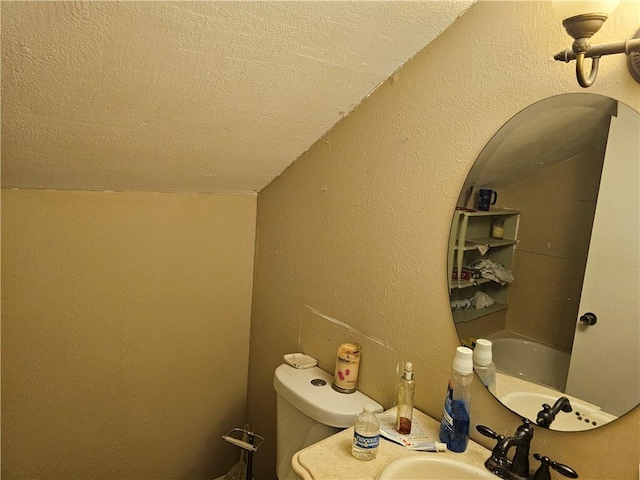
<point x="190" y="96"/>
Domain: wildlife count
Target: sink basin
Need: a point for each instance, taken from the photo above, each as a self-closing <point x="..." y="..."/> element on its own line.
<point x="584" y="416"/>
<point x="430" y="466"/>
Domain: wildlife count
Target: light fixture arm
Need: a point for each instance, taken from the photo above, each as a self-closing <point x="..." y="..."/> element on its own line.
<point x="627" y="46"/>
<point x="595" y="52"/>
<point x="582" y="27"/>
<point x="586" y="82"/>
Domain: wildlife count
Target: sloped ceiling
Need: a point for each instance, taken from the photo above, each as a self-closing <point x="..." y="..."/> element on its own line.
<point x="541" y="136"/>
<point x="190" y="96"/>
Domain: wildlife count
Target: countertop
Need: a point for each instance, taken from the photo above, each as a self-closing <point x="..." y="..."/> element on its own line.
<point x="331" y="458"/>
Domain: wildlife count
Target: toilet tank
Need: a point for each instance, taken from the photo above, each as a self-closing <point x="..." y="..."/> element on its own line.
<point x="309" y="410"/>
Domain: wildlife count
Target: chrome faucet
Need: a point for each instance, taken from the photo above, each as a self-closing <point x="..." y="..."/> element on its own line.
<point x="498" y="463"/>
<point x="548" y="413"/>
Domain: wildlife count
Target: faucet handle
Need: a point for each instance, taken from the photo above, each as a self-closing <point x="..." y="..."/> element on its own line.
<point x="548" y="413"/>
<point x="545" y="416"/>
<point x="543" y="470"/>
<point x="526" y="423"/>
<point x="487" y="432"/>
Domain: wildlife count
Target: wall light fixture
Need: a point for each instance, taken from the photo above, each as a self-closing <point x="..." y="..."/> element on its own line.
<point x="582" y="19"/>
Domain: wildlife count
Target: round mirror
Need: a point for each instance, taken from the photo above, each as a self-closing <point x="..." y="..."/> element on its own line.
<point x="543" y="261"/>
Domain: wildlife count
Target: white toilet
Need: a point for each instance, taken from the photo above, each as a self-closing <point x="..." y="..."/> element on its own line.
<point x="309" y="410"/>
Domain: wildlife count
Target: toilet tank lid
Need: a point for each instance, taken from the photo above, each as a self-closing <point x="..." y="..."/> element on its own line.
<point x="320" y="402"/>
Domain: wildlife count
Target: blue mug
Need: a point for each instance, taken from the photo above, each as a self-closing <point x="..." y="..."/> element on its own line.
<point x="486" y="198"/>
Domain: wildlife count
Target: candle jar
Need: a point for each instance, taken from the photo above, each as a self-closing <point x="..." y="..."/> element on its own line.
<point x="497" y="227"/>
<point x="347" y="366"/>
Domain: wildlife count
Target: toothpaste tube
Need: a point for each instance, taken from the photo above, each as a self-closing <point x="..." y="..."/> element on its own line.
<point x="426" y="446"/>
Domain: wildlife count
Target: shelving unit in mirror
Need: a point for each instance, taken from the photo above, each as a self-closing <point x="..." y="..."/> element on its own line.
<point x="479" y="264"/>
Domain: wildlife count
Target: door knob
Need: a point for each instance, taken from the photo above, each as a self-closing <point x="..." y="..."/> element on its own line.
<point x="588" y="319"/>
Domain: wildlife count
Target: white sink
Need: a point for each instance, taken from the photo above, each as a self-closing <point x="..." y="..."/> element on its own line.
<point x="584" y="416"/>
<point x="430" y="466"/>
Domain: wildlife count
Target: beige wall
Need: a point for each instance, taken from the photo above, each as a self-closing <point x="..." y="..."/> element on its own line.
<point x="356" y="230"/>
<point x="557" y="208"/>
<point x="125" y="325"/>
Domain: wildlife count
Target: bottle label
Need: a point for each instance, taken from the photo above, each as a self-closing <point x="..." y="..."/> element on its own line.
<point x="447" y="415"/>
<point x="454" y="427"/>
<point x="362" y="441"/>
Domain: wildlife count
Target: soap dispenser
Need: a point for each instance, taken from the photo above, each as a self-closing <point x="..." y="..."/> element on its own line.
<point x="404" y="411"/>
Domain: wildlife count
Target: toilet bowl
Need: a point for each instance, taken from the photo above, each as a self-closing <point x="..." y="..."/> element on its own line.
<point x="309" y="410"/>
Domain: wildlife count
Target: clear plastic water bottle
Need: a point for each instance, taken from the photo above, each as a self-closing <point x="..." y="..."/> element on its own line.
<point x="366" y="434"/>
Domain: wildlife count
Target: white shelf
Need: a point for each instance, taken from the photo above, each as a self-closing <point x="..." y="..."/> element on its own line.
<point x="470" y="240"/>
<point x="468" y="283"/>
<point x="460" y="316"/>
<point x="489" y="242"/>
<point x="489" y="213"/>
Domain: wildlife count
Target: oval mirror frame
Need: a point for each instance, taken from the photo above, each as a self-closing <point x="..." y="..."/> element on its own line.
<point x="546" y="244"/>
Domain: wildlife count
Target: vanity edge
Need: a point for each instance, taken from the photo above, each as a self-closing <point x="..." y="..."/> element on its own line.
<point x="331" y="457"/>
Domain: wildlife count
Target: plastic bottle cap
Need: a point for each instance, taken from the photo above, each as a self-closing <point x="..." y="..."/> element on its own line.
<point x="369" y="408"/>
<point x="463" y="361"/>
<point x="482" y="353"/>
<point x="441" y="447"/>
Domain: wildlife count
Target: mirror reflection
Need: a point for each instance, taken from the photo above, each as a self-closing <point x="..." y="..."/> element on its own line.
<point x="543" y="260"/>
